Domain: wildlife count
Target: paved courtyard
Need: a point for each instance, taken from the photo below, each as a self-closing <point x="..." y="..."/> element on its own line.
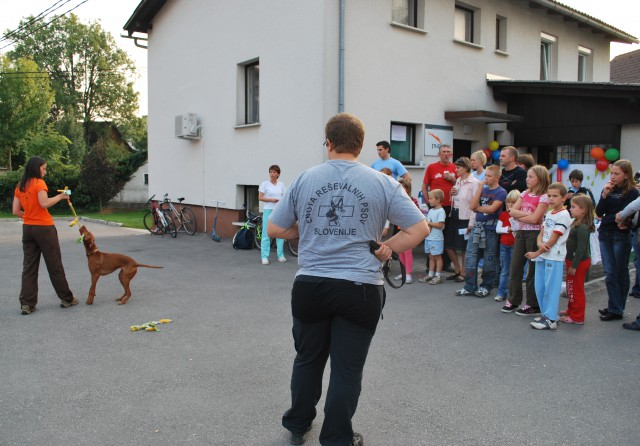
<point x="442" y="370"/>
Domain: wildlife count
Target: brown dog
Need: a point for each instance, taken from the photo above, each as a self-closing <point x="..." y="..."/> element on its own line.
<point x="104" y="263"/>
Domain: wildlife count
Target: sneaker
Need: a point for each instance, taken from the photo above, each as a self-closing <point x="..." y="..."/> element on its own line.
<point x="544" y="324"/>
<point x="357" y="440"/>
<point x="265" y="261"/>
<point x="282" y="259"/>
<point x="426" y="279"/>
<point x="398" y="277"/>
<point x="499" y="298"/>
<point x="463" y="292"/>
<point x="409" y="279"/>
<point x="528" y="311"/>
<point x="26" y="309"/>
<point x="567" y="320"/>
<point x="481" y="292"/>
<point x="299" y="438"/>
<point x="65" y="304"/>
<point x="508" y="308"/>
<point x="437" y="280"/>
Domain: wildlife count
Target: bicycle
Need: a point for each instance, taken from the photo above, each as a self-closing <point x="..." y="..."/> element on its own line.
<point x="254" y="223"/>
<point x="184" y="216"/>
<point x="157" y="220"/>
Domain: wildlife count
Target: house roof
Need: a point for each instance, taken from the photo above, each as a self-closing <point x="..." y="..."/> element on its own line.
<point x="625" y="68"/>
<point x="504" y="88"/>
<point x="142" y="18"/>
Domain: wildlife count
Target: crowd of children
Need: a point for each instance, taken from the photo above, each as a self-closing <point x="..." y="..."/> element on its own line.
<point x="539" y="233"/>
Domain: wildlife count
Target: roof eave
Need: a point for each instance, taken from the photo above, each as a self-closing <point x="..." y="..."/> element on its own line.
<point x="145" y="12"/>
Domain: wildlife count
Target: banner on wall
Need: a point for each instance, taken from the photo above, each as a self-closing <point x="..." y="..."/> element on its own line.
<point x="593" y="178"/>
<point x="435" y="136"/>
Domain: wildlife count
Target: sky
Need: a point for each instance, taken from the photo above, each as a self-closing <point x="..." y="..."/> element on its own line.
<point x="113" y="14"/>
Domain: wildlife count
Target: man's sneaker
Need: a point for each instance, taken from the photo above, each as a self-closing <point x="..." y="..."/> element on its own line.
<point x="425" y="279"/>
<point x="544" y="324"/>
<point x="508" y="308"/>
<point x="463" y="292"/>
<point x="526" y="310"/>
<point x="65" y="304"/>
<point x="437" y="280"/>
<point x="357" y="440"/>
<point x="26" y="309"/>
<point x="481" y="292"/>
<point x="499" y="298"/>
<point x="299" y="438"/>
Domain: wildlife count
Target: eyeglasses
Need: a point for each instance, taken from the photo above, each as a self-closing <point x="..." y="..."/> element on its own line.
<point x="325" y="143"/>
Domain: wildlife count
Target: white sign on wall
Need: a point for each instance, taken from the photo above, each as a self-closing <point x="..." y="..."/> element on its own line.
<point x="435" y="136"/>
<point x="593" y="178"/>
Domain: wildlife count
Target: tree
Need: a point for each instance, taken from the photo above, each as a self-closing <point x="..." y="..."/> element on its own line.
<point x="97" y="175"/>
<point x="25" y="100"/>
<point x="90" y="75"/>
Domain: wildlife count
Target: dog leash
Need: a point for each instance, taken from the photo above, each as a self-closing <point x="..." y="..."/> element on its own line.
<point x="374" y="246"/>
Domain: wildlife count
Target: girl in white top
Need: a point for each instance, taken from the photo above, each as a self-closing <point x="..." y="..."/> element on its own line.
<point x="270" y="193"/>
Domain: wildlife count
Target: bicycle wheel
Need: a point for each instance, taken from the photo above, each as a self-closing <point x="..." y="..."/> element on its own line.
<point x="257" y="230"/>
<point x="171" y="226"/>
<point x="149" y="222"/>
<point x="292" y="244"/>
<point x="189" y="221"/>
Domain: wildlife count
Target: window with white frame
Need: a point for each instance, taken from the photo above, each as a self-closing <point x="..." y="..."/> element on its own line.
<point x="402" y="141"/>
<point x="408" y="13"/>
<point x="501" y="33"/>
<point x="466" y="23"/>
<point x="548" y="52"/>
<point x="248" y="111"/>
<point x="584" y="64"/>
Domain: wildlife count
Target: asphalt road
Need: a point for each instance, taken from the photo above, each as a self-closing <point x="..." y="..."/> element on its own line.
<point x="442" y="370"/>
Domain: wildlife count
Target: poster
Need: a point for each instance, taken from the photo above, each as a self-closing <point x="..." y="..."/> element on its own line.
<point x="435" y="136"/>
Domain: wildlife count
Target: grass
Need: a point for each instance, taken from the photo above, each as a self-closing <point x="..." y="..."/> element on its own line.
<point x="129" y="218"/>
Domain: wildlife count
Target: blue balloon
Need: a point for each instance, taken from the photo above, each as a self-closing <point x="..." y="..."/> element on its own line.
<point x="495" y="155"/>
<point x="563" y="164"/>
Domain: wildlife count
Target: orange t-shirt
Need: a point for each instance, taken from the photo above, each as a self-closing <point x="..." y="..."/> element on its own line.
<point x="34" y="214"/>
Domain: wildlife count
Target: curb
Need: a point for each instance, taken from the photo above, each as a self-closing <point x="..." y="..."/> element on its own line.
<point x="91" y="220"/>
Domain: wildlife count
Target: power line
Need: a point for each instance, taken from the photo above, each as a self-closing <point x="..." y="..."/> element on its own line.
<point x="49" y="22"/>
<point x="34" y="19"/>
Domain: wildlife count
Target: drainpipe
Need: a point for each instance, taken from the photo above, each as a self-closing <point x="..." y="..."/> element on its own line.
<point x="341" y="61"/>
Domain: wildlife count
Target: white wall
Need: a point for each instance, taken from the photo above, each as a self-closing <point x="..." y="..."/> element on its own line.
<point x="135" y="191"/>
<point x="194" y="51"/>
<point x="630" y="144"/>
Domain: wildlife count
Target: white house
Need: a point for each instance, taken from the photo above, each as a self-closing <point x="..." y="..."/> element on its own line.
<point x="262" y="78"/>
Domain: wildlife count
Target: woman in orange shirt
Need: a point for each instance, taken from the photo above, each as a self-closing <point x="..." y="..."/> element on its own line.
<point x="39" y="236"/>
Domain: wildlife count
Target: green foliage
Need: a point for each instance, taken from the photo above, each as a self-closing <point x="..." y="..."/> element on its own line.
<point x="47" y="144"/>
<point x="74" y="131"/>
<point x="97" y="175"/>
<point x="135" y="131"/>
<point x="25" y="100"/>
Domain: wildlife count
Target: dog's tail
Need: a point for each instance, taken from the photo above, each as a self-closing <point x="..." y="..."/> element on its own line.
<point x="148" y="266"/>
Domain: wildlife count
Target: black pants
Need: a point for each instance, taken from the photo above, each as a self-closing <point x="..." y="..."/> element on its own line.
<point x="37" y="240"/>
<point x="337" y="319"/>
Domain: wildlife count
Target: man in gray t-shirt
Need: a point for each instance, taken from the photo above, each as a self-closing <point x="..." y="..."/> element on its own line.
<point x="337" y="297"/>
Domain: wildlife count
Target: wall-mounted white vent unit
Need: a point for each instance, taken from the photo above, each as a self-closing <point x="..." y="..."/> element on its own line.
<point x="187" y="126"/>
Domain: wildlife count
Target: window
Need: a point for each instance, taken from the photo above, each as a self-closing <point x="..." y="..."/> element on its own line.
<point x="146" y="178"/>
<point x="501" y="33"/>
<point x="584" y="64"/>
<point x="402" y="142"/>
<point x="248" y="104"/>
<point x="578" y="153"/>
<point x="408" y="12"/>
<point x="466" y="23"/>
<point x="547" y="57"/>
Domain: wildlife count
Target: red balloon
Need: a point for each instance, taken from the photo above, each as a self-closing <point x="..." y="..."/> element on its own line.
<point x="487" y="152"/>
<point x="597" y="153"/>
<point x="602" y="165"/>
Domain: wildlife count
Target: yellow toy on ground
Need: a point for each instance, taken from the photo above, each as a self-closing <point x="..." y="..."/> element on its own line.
<point x="150" y="326"/>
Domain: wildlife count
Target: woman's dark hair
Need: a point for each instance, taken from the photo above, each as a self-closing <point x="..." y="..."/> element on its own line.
<point x="31" y="171"/>
<point x="275" y="167"/>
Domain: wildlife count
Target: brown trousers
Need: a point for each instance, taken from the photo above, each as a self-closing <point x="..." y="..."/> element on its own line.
<point x="43" y="240"/>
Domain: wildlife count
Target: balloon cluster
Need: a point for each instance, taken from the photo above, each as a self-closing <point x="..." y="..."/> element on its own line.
<point x="493" y="151"/>
<point x="604" y="157"/>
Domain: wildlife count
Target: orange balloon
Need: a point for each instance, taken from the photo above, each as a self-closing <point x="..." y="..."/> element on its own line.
<point x="597" y="153"/>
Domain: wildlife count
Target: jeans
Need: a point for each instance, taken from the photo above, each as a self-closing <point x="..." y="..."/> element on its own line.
<point x="636" y="262"/>
<point x="331" y="319"/>
<point x="265" y="244"/>
<point x="615" y="249"/>
<point x="548" y="283"/>
<point x="490" y="265"/>
<point x="505" y="263"/>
